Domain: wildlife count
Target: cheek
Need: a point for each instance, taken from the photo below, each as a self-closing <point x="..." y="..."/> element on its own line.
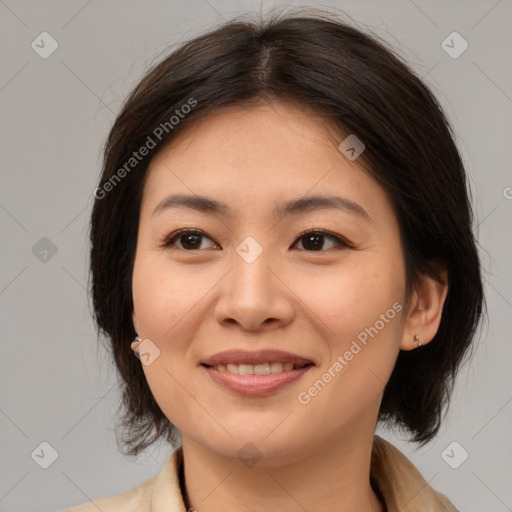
<point x="362" y="314"/>
<point x="168" y="304"/>
<point x="353" y="297"/>
<point x="164" y="295"/>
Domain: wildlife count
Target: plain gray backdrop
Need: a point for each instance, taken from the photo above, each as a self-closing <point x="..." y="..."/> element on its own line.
<point x="57" y="386"/>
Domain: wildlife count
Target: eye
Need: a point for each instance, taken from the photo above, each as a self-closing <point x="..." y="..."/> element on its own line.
<point x="189" y="239"/>
<point x="314" y="240"/>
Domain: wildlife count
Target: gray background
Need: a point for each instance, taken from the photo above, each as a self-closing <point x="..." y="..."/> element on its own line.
<point x="56" y="384"/>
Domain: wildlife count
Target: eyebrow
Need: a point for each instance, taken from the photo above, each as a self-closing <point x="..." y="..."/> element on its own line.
<point x="293" y="206"/>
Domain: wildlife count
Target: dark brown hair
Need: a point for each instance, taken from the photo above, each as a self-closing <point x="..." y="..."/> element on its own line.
<point x="364" y="88"/>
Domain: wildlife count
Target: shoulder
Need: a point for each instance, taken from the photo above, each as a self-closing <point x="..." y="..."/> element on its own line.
<point x="402" y="486"/>
<point x="162" y="492"/>
<point x="136" y="500"/>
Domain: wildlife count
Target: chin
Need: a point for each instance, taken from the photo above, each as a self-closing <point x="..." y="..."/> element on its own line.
<point x="255" y="446"/>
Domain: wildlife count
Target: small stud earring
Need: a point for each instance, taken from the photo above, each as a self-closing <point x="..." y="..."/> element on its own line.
<point x="135" y="352"/>
<point x="417" y="340"/>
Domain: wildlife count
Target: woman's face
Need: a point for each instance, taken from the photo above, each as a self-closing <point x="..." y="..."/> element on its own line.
<point x="250" y="288"/>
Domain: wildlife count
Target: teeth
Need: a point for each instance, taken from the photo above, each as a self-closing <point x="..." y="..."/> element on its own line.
<point x="254" y="369"/>
<point x="245" y="369"/>
<point x="276" y="368"/>
<point x="262" y="369"/>
<point x="231" y="368"/>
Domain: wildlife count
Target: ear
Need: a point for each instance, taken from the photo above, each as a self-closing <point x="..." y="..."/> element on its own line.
<point x="425" y="310"/>
<point x="134" y="321"/>
<point x="135" y="344"/>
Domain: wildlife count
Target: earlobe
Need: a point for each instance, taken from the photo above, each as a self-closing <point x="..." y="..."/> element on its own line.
<point x="425" y="311"/>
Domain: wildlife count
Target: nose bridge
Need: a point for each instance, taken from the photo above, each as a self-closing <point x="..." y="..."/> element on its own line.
<point x="252" y="294"/>
<point x="251" y="278"/>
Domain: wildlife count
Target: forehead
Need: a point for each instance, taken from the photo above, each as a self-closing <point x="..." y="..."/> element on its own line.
<point x="265" y="153"/>
<point x="244" y="130"/>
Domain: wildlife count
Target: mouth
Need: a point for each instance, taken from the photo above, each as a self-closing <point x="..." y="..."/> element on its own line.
<point x="255" y="373"/>
<point x="267" y="368"/>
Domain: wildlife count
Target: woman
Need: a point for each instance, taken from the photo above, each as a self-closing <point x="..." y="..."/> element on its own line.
<point x="282" y="236"/>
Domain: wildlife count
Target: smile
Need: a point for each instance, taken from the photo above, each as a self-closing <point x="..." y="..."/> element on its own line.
<point x="255" y="374"/>
<point x="256" y="369"/>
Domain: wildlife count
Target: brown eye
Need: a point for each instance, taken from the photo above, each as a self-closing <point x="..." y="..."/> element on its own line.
<point x="188" y="240"/>
<point x="314" y="240"/>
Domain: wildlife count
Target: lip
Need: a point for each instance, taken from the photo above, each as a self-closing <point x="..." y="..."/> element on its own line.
<point x="255" y="385"/>
<point x="259" y="357"/>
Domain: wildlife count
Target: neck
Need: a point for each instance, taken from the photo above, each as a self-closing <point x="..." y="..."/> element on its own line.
<point x="328" y="477"/>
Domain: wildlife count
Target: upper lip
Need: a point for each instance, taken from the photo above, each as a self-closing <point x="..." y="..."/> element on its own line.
<point x="255" y="357"/>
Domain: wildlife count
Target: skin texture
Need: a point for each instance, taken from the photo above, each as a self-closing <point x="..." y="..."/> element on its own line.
<point x="195" y="303"/>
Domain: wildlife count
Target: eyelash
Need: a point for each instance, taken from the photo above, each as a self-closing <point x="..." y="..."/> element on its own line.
<point x="341" y="242"/>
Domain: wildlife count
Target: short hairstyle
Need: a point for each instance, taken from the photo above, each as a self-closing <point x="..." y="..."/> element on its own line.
<point x="356" y="81"/>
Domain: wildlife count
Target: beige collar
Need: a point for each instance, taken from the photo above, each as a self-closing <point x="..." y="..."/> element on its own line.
<point x="401" y="485"/>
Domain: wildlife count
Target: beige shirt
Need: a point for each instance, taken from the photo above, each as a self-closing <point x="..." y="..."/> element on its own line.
<point x="401" y="486"/>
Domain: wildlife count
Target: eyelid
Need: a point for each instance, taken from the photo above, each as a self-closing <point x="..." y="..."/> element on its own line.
<point x="171" y="239"/>
<point x="341" y="241"/>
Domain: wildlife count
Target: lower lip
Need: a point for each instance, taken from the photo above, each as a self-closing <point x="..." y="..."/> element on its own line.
<point x="255" y="385"/>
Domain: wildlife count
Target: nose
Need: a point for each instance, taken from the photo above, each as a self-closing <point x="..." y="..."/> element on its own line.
<point x="254" y="297"/>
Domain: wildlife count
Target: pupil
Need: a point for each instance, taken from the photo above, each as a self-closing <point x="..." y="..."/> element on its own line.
<point x="316" y="239"/>
<point x="194" y="243"/>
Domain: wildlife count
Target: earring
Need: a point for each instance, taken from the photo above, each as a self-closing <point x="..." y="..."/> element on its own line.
<point x="135" y="352"/>
<point x="417" y="340"/>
